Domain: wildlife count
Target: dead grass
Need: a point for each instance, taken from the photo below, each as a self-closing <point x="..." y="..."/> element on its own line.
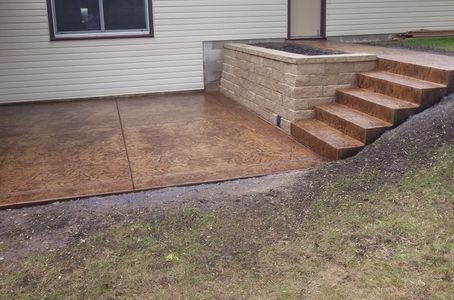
<point x="396" y="242"/>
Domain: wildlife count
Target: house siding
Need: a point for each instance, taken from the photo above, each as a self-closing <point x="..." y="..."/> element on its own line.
<point x="34" y="68"/>
<point x="362" y="17"/>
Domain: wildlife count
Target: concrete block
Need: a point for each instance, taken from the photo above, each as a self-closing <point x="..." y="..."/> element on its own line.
<point x="365" y="66"/>
<point x="330" y="90"/>
<point x="295" y="115"/>
<point x="336" y="68"/>
<point x="310" y="69"/>
<point x="307" y="91"/>
<point x="309" y="103"/>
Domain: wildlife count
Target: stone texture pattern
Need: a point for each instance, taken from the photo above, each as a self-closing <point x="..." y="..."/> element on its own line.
<point x="70" y="149"/>
<point x="274" y="83"/>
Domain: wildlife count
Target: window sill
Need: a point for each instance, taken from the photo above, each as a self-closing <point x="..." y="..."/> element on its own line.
<point x="69" y="37"/>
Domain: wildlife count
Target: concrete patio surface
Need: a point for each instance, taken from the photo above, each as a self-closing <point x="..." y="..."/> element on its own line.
<point x="64" y="150"/>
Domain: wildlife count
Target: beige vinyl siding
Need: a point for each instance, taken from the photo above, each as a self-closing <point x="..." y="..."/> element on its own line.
<point x="362" y="17"/>
<point x="33" y="68"/>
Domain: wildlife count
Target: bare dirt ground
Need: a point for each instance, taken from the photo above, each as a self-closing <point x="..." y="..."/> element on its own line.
<point x="250" y="236"/>
<point x="50" y="227"/>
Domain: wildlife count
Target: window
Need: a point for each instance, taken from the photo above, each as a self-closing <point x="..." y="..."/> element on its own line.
<point x="69" y="19"/>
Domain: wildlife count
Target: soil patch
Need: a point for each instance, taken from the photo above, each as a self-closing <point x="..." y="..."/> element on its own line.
<point x="297" y="49"/>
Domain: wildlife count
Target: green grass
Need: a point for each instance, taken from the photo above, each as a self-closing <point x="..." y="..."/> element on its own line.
<point x="393" y="243"/>
<point x="444" y="44"/>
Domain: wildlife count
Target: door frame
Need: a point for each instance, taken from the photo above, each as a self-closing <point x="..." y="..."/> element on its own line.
<point x="322" y="22"/>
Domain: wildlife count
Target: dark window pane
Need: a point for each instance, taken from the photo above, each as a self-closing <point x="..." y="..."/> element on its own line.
<point x="77" y="15"/>
<point x="124" y="14"/>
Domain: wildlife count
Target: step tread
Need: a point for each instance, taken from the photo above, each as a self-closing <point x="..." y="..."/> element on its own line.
<point x="328" y="134"/>
<point x="421" y="64"/>
<point x="353" y="116"/>
<point x="380" y="99"/>
<point x="404" y="80"/>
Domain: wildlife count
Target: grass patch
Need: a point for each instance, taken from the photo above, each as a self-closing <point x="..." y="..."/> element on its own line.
<point x="393" y="243"/>
<point x="443" y="44"/>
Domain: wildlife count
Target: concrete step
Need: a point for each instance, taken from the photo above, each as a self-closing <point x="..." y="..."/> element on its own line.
<point x="389" y="109"/>
<point x="422" y="72"/>
<point x="363" y="127"/>
<point x="402" y="87"/>
<point x="324" y="139"/>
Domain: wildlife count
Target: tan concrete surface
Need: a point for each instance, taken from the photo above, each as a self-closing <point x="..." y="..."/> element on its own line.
<point x="63" y="150"/>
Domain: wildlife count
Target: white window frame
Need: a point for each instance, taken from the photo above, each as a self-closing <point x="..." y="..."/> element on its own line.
<point x="103" y="32"/>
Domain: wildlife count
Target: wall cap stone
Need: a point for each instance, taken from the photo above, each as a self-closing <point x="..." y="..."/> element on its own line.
<point x="298" y="59"/>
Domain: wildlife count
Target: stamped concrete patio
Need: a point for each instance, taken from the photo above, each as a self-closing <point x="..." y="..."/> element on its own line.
<point x="63" y="150"/>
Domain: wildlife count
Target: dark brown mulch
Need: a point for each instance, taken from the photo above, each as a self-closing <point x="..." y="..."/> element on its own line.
<point x="297" y="49"/>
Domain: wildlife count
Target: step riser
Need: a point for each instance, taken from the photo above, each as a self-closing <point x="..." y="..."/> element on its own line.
<point x="366" y="136"/>
<point x="360" y="116"/>
<point x="321" y="147"/>
<point x="451" y="82"/>
<point x="341" y="124"/>
<point x="393" y="116"/>
<point x="365" y="106"/>
<point x="425" y="98"/>
<point x="415" y="71"/>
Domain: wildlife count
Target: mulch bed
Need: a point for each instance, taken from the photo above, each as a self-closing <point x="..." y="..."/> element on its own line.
<point x="297" y="49"/>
